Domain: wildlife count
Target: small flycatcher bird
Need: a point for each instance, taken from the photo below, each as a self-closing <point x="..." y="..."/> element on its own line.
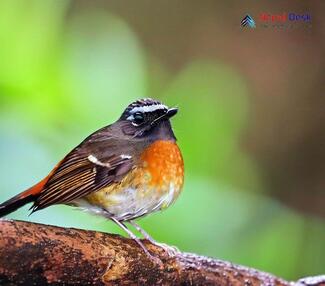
<point x="123" y="171"/>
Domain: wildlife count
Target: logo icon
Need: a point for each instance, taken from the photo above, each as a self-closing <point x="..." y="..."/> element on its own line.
<point x="248" y="21"/>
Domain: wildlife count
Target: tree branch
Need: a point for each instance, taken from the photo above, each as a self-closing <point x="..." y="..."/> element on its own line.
<point x="35" y="254"/>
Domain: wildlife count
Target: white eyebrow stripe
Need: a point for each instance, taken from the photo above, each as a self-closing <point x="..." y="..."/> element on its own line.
<point x="148" y="108"/>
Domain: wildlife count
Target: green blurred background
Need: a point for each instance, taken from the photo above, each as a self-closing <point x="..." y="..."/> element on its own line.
<point x="251" y="120"/>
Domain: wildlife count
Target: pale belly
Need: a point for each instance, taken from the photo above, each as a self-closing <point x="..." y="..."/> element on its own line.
<point x="153" y="186"/>
<point x="130" y="203"/>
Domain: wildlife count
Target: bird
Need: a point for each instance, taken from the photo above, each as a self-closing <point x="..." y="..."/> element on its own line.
<point x="123" y="171"/>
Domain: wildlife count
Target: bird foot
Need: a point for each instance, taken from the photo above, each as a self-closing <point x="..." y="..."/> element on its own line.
<point x="170" y="250"/>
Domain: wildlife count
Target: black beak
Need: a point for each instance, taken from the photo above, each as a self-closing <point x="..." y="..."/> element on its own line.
<point x="171" y="112"/>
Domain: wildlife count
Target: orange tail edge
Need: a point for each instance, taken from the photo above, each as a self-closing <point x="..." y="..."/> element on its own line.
<point x="22" y="199"/>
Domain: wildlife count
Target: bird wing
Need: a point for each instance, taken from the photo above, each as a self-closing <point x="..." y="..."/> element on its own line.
<point x="84" y="170"/>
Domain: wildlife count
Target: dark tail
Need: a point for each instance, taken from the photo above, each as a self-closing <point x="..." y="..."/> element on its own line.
<point x="28" y="196"/>
<point x="22" y="199"/>
<point x="15" y="203"/>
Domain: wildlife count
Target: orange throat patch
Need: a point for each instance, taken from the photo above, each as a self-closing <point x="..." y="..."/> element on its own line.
<point x="163" y="162"/>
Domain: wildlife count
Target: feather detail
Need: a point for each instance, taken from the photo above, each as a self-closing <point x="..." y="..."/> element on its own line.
<point x="79" y="175"/>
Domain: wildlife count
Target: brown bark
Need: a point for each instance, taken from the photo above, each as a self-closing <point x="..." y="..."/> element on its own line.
<point x="34" y="254"/>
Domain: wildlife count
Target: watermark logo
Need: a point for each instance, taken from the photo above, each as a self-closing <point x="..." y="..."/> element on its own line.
<point x="248" y="21"/>
<point x="284" y="20"/>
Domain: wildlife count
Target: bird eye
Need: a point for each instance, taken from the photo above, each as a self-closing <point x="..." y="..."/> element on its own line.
<point x="138" y="118"/>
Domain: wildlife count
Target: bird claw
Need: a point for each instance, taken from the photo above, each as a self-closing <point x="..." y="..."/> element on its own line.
<point x="171" y="250"/>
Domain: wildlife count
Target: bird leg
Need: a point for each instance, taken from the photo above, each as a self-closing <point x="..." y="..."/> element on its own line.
<point x="171" y="250"/>
<point x="136" y="239"/>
